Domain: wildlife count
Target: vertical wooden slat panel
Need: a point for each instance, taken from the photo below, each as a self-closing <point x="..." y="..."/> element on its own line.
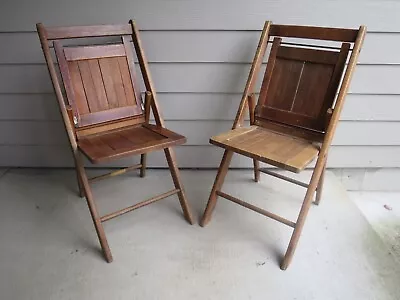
<point x="98" y="84"/>
<point x="126" y="79"/>
<point x="284" y="83"/>
<point x="107" y="73"/>
<point x="118" y="84"/>
<point x="88" y="84"/>
<point x="80" y="96"/>
<point x="312" y="89"/>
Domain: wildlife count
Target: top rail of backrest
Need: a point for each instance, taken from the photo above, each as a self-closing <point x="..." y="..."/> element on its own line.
<point x="71" y="32"/>
<point x="316" y="33"/>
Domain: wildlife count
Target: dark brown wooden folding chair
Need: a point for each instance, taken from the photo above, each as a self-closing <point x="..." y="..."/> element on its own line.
<point x="104" y="115"/>
<point x="298" y="108"/>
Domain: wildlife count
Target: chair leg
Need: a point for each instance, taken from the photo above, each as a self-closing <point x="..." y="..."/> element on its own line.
<point x="300" y="220"/>
<point x="320" y="186"/>
<point x="170" y="155"/>
<point x="93" y="209"/>
<point x="143" y="163"/>
<point x="80" y="185"/>
<point x="256" y="164"/>
<point x="219" y="180"/>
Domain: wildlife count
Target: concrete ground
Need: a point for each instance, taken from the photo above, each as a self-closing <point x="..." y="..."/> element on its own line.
<point x="382" y="210"/>
<point x="49" y="249"/>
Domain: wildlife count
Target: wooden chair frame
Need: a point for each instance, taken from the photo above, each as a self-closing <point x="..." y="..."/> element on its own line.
<point x="50" y="35"/>
<point x="248" y="102"/>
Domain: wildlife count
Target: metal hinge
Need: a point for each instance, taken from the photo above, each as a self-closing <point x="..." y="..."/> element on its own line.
<point x="75" y="121"/>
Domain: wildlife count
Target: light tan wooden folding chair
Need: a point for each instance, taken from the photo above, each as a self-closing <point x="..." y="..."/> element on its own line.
<point x="104" y="115"/>
<point x="301" y="97"/>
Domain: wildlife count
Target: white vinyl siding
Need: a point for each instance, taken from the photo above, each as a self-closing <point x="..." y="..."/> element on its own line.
<point x="199" y="54"/>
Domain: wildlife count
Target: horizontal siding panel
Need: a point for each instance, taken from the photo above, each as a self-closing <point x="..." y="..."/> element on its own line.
<point x="371" y="108"/>
<point x="197" y="132"/>
<point x="380" y="48"/>
<point x="205" y="14"/>
<point x="29" y="107"/>
<point x="201" y="106"/>
<point x="198" y="78"/>
<point x="199" y="53"/>
<point x="227" y="47"/>
<point x="196" y="157"/>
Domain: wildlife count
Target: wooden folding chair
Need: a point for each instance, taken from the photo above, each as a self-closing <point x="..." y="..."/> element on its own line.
<point x="298" y="108"/>
<point x="105" y="118"/>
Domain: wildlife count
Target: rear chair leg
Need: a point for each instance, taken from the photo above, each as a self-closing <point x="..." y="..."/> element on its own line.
<point x="170" y="155"/>
<point x="143" y="163"/>
<point x="256" y="164"/>
<point x="301" y="220"/>
<point x="93" y="209"/>
<point x="219" y="180"/>
<point x="320" y="186"/>
<point x="80" y="185"/>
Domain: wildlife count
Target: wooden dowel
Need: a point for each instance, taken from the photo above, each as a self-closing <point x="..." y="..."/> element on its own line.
<point x="115" y="173"/>
<point x="284" y="178"/>
<point x="138" y="205"/>
<point x="257" y="209"/>
<point x="309" y="45"/>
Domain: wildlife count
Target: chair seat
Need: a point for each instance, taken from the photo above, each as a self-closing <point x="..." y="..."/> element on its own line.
<point x="277" y="149"/>
<point x="127" y="141"/>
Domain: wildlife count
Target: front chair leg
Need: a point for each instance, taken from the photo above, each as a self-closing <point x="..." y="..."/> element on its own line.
<point x="219" y="180"/>
<point x="93" y="209"/>
<point x="256" y="165"/>
<point x="143" y="158"/>
<point x="301" y="219"/>
<point x="170" y="155"/>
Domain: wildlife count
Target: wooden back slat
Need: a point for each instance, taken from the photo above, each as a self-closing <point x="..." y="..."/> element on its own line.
<point x="71" y="32"/>
<point x="312" y="32"/>
<point x="132" y="94"/>
<point x="91" y="52"/>
<point x="112" y="81"/>
<point x="300" y="85"/>
<point x="310" y="55"/>
<point x="76" y="91"/>
<point x="98" y="85"/>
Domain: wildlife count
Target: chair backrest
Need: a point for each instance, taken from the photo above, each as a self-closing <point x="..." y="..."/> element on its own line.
<point x="300" y="85"/>
<point x="99" y="79"/>
<point x="302" y="79"/>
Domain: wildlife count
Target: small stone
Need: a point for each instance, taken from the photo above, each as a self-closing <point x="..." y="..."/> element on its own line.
<point x="387" y="207"/>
